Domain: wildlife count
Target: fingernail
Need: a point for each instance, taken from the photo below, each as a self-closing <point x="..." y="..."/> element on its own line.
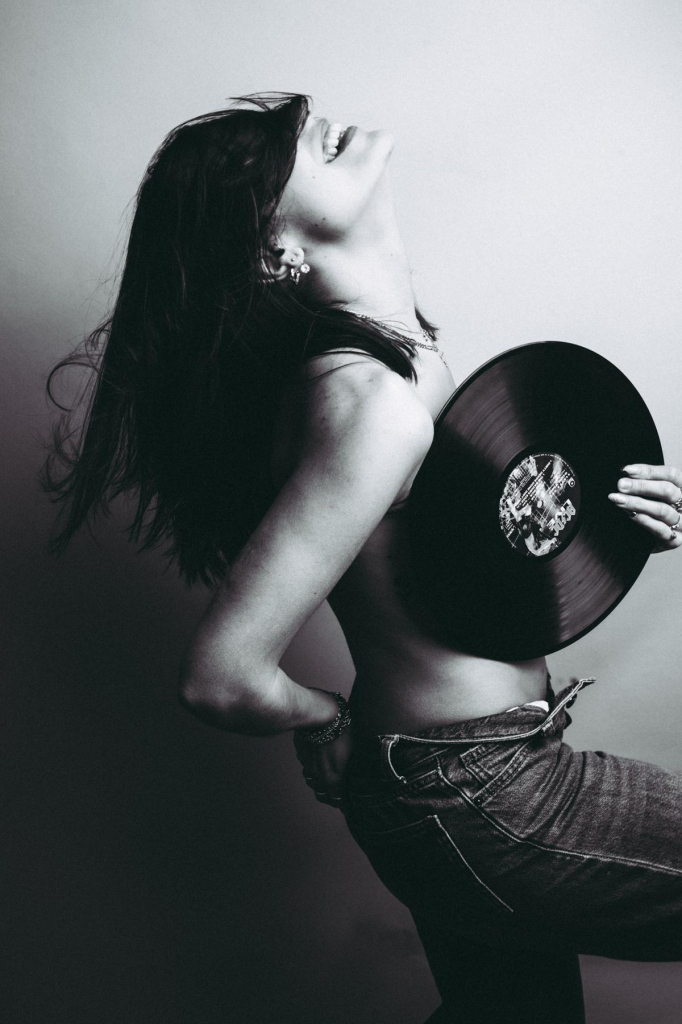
<point x="617" y="499"/>
<point x="628" y="469"/>
<point x="625" y="485"/>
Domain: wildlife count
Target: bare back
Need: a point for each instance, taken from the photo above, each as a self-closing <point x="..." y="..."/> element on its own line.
<point x="405" y="680"/>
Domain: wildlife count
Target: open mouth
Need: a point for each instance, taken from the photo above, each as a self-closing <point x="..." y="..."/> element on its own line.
<point x="336" y="139"/>
<point x="345" y="139"/>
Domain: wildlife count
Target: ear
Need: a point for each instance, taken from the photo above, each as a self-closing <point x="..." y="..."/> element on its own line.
<point x="278" y="262"/>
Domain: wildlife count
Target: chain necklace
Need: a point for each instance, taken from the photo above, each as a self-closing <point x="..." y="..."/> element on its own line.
<point x="429" y="344"/>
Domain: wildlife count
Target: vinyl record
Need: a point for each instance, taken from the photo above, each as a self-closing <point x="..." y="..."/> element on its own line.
<point x="516" y="550"/>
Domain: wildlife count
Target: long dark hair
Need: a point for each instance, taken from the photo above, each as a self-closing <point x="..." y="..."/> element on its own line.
<point x="188" y="367"/>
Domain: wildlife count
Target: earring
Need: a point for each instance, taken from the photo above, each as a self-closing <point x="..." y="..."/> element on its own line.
<point x="297" y="271"/>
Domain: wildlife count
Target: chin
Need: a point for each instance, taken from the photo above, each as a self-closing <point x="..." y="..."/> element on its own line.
<point x="383" y="140"/>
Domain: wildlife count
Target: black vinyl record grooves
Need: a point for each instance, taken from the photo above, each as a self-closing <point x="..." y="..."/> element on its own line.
<point x="516" y="550"/>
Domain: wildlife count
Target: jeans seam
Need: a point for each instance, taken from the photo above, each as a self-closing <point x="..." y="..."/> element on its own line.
<point x="489" y="789"/>
<point x="603" y="858"/>
<point x="473" y="754"/>
<point x="468" y="866"/>
<point x="507" y="775"/>
<point x="477" y="778"/>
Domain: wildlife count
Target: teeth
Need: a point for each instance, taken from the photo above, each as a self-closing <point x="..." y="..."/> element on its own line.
<point x="331" y="141"/>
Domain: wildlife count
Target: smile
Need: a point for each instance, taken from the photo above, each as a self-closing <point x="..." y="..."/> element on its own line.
<point x="333" y="141"/>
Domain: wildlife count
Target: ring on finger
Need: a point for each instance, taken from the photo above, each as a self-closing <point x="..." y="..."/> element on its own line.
<point x="677" y="505"/>
<point x="673" y="534"/>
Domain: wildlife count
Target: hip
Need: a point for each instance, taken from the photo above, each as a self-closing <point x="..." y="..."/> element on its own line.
<point x="497" y="824"/>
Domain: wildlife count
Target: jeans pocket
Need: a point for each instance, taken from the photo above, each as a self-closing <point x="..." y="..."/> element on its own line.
<point x="422" y="866"/>
<point x="483" y="770"/>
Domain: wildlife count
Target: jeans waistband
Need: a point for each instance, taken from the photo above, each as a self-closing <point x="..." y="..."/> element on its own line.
<point x="507" y="726"/>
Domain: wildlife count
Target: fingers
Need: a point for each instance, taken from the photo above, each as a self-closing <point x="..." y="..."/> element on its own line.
<point x="332" y="799"/>
<point x="668" y="538"/>
<point x="663" y="489"/>
<point x="649" y="494"/>
<point x="327" y="796"/>
<point x="659" y="510"/>
<point x="665" y="473"/>
<point x="324" y="792"/>
<point x="658" y="517"/>
<point x="324" y="767"/>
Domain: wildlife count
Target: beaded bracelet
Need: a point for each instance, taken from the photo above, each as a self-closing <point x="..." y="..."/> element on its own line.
<point x="328" y="732"/>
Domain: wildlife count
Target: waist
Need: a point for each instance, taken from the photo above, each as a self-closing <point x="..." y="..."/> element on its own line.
<point x="408" y="696"/>
<point x="402" y="751"/>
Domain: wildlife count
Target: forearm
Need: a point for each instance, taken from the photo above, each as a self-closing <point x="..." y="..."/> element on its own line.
<point x="264" y="707"/>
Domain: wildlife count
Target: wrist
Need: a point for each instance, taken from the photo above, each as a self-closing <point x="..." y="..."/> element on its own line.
<point x="331" y="730"/>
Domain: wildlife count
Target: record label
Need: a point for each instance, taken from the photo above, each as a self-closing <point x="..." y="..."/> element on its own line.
<point x="539" y="504"/>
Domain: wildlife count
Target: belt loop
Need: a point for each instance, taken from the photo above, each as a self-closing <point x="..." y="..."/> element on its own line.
<point x="567" y="702"/>
<point x="387" y="743"/>
<point x="581" y="682"/>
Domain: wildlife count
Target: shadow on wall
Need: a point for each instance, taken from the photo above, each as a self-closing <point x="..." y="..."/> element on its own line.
<point x="631" y="993"/>
<point x="164" y="872"/>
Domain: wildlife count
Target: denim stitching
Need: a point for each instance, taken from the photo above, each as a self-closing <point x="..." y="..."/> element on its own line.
<point x="483" y="778"/>
<point x="541" y="728"/>
<point x="387" y="742"/>
<point x="508" y="773"/>
<point x="474" y="754"/>
<point x="417" y="827"/>
<point x="477" y="768"/>
<point x="467" y="865"/>
<point x="611" y="859"/>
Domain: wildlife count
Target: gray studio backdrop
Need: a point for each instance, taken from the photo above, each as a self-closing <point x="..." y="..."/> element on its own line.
<point x="163" y="872"/>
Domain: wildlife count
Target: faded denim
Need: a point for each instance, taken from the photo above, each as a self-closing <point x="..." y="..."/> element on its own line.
<point x="514" y="853"/>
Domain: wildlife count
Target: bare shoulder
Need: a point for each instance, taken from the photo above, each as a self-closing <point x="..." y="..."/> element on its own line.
<point x="351" y="392"/>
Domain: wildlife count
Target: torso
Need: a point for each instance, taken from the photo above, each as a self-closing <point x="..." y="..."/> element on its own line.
<point x="405" y="680"/>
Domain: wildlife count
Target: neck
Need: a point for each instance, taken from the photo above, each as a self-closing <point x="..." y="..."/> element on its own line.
<point x="368" y="273"/>
<point x="376" y="284"/>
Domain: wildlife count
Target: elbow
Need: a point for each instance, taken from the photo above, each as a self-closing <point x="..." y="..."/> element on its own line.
<point x="234" y="705"/>
<point x="213" y="706"/>
<point x="209" y="683"/>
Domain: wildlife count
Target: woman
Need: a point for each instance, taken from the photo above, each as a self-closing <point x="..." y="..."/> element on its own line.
<point x="268" y="389"/>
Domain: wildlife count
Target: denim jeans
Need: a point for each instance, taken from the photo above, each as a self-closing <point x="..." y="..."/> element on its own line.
<point x="514" y="853"/>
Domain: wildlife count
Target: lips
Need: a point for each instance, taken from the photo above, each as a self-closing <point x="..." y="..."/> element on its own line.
<point x="346" y="139"/>
<point x="335" y="139"/>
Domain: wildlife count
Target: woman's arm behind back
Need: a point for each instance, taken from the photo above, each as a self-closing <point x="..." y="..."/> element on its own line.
<point x="365" y="432"/>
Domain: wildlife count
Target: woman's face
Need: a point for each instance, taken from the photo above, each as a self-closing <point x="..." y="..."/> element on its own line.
<point x="330" y="194"/>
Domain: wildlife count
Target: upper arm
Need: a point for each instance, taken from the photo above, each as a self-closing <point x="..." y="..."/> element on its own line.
<point x="365" y="432"/>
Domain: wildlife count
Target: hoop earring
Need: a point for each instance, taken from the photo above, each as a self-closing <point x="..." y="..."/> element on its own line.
<point x="297" y="271"/>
